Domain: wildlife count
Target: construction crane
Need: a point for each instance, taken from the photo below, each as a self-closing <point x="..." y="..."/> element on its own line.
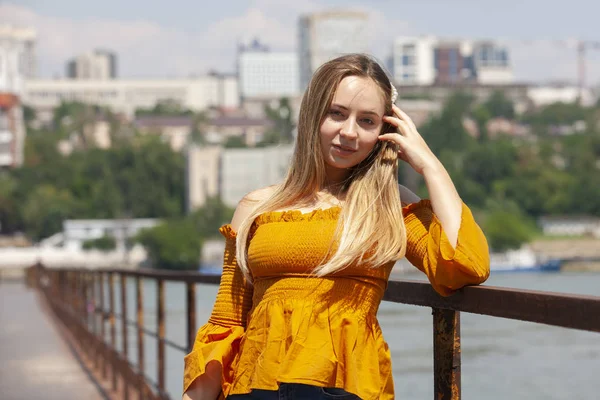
<point x="582" y="47"/>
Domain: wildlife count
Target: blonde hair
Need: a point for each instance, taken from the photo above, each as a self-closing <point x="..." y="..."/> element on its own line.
<point x="370" y="228"/>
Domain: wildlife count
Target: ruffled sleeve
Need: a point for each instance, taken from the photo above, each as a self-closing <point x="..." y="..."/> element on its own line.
<point x="219" y="339"/>
<point x="428" y="249"/>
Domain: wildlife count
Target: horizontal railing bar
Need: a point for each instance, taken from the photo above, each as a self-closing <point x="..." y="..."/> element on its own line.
<point x="178" y="276"/>
<point x="154" y="335"/>
<point x="550" y="308"/>
<point x="556" y="309"/>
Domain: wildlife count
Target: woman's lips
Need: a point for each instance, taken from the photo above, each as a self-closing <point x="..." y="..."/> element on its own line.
<point x="342" y="151"/>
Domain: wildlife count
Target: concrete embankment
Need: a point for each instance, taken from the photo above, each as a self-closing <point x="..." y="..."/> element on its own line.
<point x="571" y="248"/>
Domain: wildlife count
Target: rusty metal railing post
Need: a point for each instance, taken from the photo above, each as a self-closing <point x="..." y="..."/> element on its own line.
<point x="85" y="315"/>
<point x="191" y="314"/>
<point x="160" y="311"/>
<point x="95" y="330"/>
<point x="124" y="336"/>
<point x="113" y="332"/>
<point x="139" y="295"/>
<point x="102" y="322"/>
<point x="446" y="354"/>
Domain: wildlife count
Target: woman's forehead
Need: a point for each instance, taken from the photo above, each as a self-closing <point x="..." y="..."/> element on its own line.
<point x="355" y="92"/>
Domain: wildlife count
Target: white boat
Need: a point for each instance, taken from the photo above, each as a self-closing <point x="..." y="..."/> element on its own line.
<point x="523" y="259"/>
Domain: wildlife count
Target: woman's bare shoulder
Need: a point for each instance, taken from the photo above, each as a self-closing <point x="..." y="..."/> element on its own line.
<point x="248" y="203"/>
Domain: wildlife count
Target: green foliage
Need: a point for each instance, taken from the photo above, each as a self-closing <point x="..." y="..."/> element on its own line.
<point x="45" y="210"/>
<point x="174" y="244"/>
<point x="507" y="230"/>
<point x="557" y="114"/>
<point x="498" y="105"/>
<point x="144" y="179"/>
<point x="235" y="142"/>
<point x="10" y="218"/>
<point x="105" y="243"/>
<point x="446" y="131"/>
<point x="211" y="217"/>
<point x="283" y="125"/>
<point x="169" y="108"/>
<point x="513" y="181"/>
<point x="28" y="114"/>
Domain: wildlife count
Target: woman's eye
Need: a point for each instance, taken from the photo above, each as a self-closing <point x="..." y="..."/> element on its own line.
<point x="368" y="121"/>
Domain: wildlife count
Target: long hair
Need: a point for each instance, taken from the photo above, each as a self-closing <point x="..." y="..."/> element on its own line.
<point x="370" y="228"/>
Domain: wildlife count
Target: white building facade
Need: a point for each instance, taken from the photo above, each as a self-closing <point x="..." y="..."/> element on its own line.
<point x="412" y="60"/>
<point x="233" y="173"/>
<point x="17" y="58"/>
<point x="263" y="73"/>
<point x="428" y="60"/>
<point x="326" y="35"/>
<point x="77" y="231"/>
<point x="126" y="95"/>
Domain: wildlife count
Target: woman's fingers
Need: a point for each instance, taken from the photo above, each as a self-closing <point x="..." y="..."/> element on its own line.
<point x="402" y="126"/>
<point x="392" y="137"/>
<point x="403" y="116"/>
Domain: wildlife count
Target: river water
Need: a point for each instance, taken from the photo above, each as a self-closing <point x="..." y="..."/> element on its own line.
<point x="501" y="358"/>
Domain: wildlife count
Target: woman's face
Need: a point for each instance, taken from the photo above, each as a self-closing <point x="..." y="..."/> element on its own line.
<point x="352" y="124"/>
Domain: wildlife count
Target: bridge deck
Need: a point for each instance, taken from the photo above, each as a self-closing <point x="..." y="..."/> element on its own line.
<point x="35" y="362"/>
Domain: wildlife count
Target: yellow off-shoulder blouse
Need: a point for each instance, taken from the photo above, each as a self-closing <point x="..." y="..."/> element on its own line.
<point x="288" y="327"/>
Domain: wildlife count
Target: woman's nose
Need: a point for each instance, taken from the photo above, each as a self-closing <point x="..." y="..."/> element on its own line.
<point x="349" y="128"/>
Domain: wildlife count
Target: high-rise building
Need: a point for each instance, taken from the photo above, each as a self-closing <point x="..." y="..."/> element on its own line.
<point x="17" y="58"/>
<point x="264" y="73"/>
<point x="326" y="35"/>
<point x="96" y="65"/>
<point x="428" y="60"/>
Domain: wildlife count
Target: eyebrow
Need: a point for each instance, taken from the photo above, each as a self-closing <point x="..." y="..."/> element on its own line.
<point x="362" y="112"/>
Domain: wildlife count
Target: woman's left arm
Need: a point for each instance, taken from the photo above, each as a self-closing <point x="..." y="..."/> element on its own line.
<point x="443" y="239"/>
<point x="445" y="201"/>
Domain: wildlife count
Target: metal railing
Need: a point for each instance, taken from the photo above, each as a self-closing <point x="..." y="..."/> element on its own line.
<point x="77" y="298"/>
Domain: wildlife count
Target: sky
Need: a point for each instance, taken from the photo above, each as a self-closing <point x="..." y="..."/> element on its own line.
<point x="181" y="38"/>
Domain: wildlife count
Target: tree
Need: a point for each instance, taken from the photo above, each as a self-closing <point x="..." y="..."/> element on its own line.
<point x="235" y="142"/>
<point x="446" y="131"/>
<point x="505" y="226"/>
<point x="10" y="216"/>
<point x="174" y="244"/>
<point x="505" y="230"/>
<point x="499" y="106"/>
<point x="105" y="243"/>
<point x="46" y="209"/>
<point x="167" y="107"/>
<point x="489" y="162"/>
<point x="283" y="126"/>
<point x="209" y="218"/>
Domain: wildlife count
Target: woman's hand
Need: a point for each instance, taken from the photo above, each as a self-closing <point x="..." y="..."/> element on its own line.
<point x="411" y="146"/>
<point x="445" y="201"/>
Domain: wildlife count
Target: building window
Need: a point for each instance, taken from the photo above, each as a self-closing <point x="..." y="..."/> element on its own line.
<point x="408" y="49"/>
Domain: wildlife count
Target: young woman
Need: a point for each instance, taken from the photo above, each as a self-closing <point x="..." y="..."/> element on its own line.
<point x="307" y="262"/>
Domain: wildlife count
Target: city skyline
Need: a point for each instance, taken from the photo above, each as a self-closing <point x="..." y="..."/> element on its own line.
<point x="191" y="39"/>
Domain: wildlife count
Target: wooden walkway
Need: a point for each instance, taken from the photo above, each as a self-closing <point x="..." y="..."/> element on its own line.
<point x="35" y="362"/>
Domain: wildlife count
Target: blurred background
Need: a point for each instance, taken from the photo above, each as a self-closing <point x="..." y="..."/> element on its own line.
<point x="130" y="130"/>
